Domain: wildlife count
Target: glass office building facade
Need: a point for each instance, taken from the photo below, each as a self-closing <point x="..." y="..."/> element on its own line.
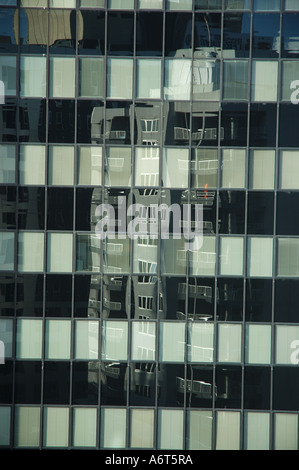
<point x="146" y="342"/>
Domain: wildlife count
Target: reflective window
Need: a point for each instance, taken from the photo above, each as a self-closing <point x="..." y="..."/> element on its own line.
<point x="148" y="44"/>
<point x="236" y="35"/>
<point x="266" y="35"/>
<point x="62" y="77"/>
<point x="235" y="80"/>
<point x="288" y="256"/>
<point x="290" y="39"/>
<point x="91" y="34"/>
<point x="33" y="76"/>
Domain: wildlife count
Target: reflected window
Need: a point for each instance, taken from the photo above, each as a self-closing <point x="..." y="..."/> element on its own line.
<point x="266" y="35"/>
<point x="261" y="169"/>
<point x="91" y="77"/>
<point x="178" y="35"/>
<point x="91" y="32"/>
<point x="7" y="163"/>
<point x="8" y="75"/>
<point x="177" y="79"/>
<point x="118" y="130"/>
<point x="7" y="293"/>
<point x="206" y="80"/>
<point x="236" y="35"/>
<point x="204" y="171"/>
<point x="8" y="33"/>
<point x="230" y="299"/>
<point x="263" y="119"/>
<point x="264" y="80"/>
<point x="260" y="213"/>
<point x="118" y="166"/>
<point x="233" y="168"/>
<point x="120" y="44"/>
<point x="147" y="43"/>
<point x="234" y="122"/>
<point x="228" y="383"/>
<point x="232" y="212"/>
<point x="257" y="388"/>
<point x="286" y="301"/>
<point x="235" y="80"/>
<point x="258" y="306"/>
<point x="62" y="27"/>
<point x="290" y="37"/>
<point x="31" y="208"/>
<point x="148" y="78"/>
<point x="288" y="135"/>
<point x="33" y="76"/>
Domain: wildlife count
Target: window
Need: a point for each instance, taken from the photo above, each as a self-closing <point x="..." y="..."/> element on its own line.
<point x="119" y="89"/>
<point x="62" y="77"/>
<point x="171" y="342"/>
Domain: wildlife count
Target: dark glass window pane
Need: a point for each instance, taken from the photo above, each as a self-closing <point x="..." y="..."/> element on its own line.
<point x="171" y="385"/>
<point x="92" y="39"/>
<point x="234" y="123"/>
<point x="60" y="208"/>
<point x="178" y="34"/>
<point x="90" y="122"/>
<point x="148" y="43"/>
<point x="61" y="121"/>
<point x="143" y="384"/>
<point x="205" y="117"/>
<point x="8" y="33"/>
<point x="8" y="116"/>
<point x="236" y="34"/>
<point x="177" y="123"/>
<point x="85" y="383"/>
<point x="62" y="31"/>
<point x="28" y="382"/>
<point x="148" y="123"/>
<point x="286" y="301"/>
<point x="288" y="127"/>
<point x="8" y="207"/>
<point x="118" y="122"/>
<point x="58" y="295"/>
<point x="207" y="33"/>
<point x="201" y="298"/>
<point x="230" y="299"/>
<point x="56" y="383"/>
<point x="87" y="296"/>
<point x="114" y="382"/>
<point x="287" y="210"/>
<point x="290" y="35"/>
<point x="6" y="382"/>
<point x="285" y="388"/>
<point x="263" y="125"/>
<point x="208" y="4"/>
<point x="228" y="383"/>
<point x="266" y="36"/>
<point x="33" y="31"/>
<point x="85" y="209"/>
<point x="172" y="298"/>
<point x="260" y="216"/>
<point x="232" y="212"/>
<point x="144" y="288"/>
<point x="199" y="386"/>
<point x="31" y="208"/>
<point x="116" y="295"/>
<point x="257" y="388"/>
<point x="32" y="119"/>
<point x="7" y="295"/>
<point x="120" y="44"/>
<point x="30" y="291"/>
<point x="258" y="300"/>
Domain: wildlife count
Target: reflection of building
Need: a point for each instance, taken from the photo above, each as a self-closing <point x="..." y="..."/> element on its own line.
<point x="154" y="341"/>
